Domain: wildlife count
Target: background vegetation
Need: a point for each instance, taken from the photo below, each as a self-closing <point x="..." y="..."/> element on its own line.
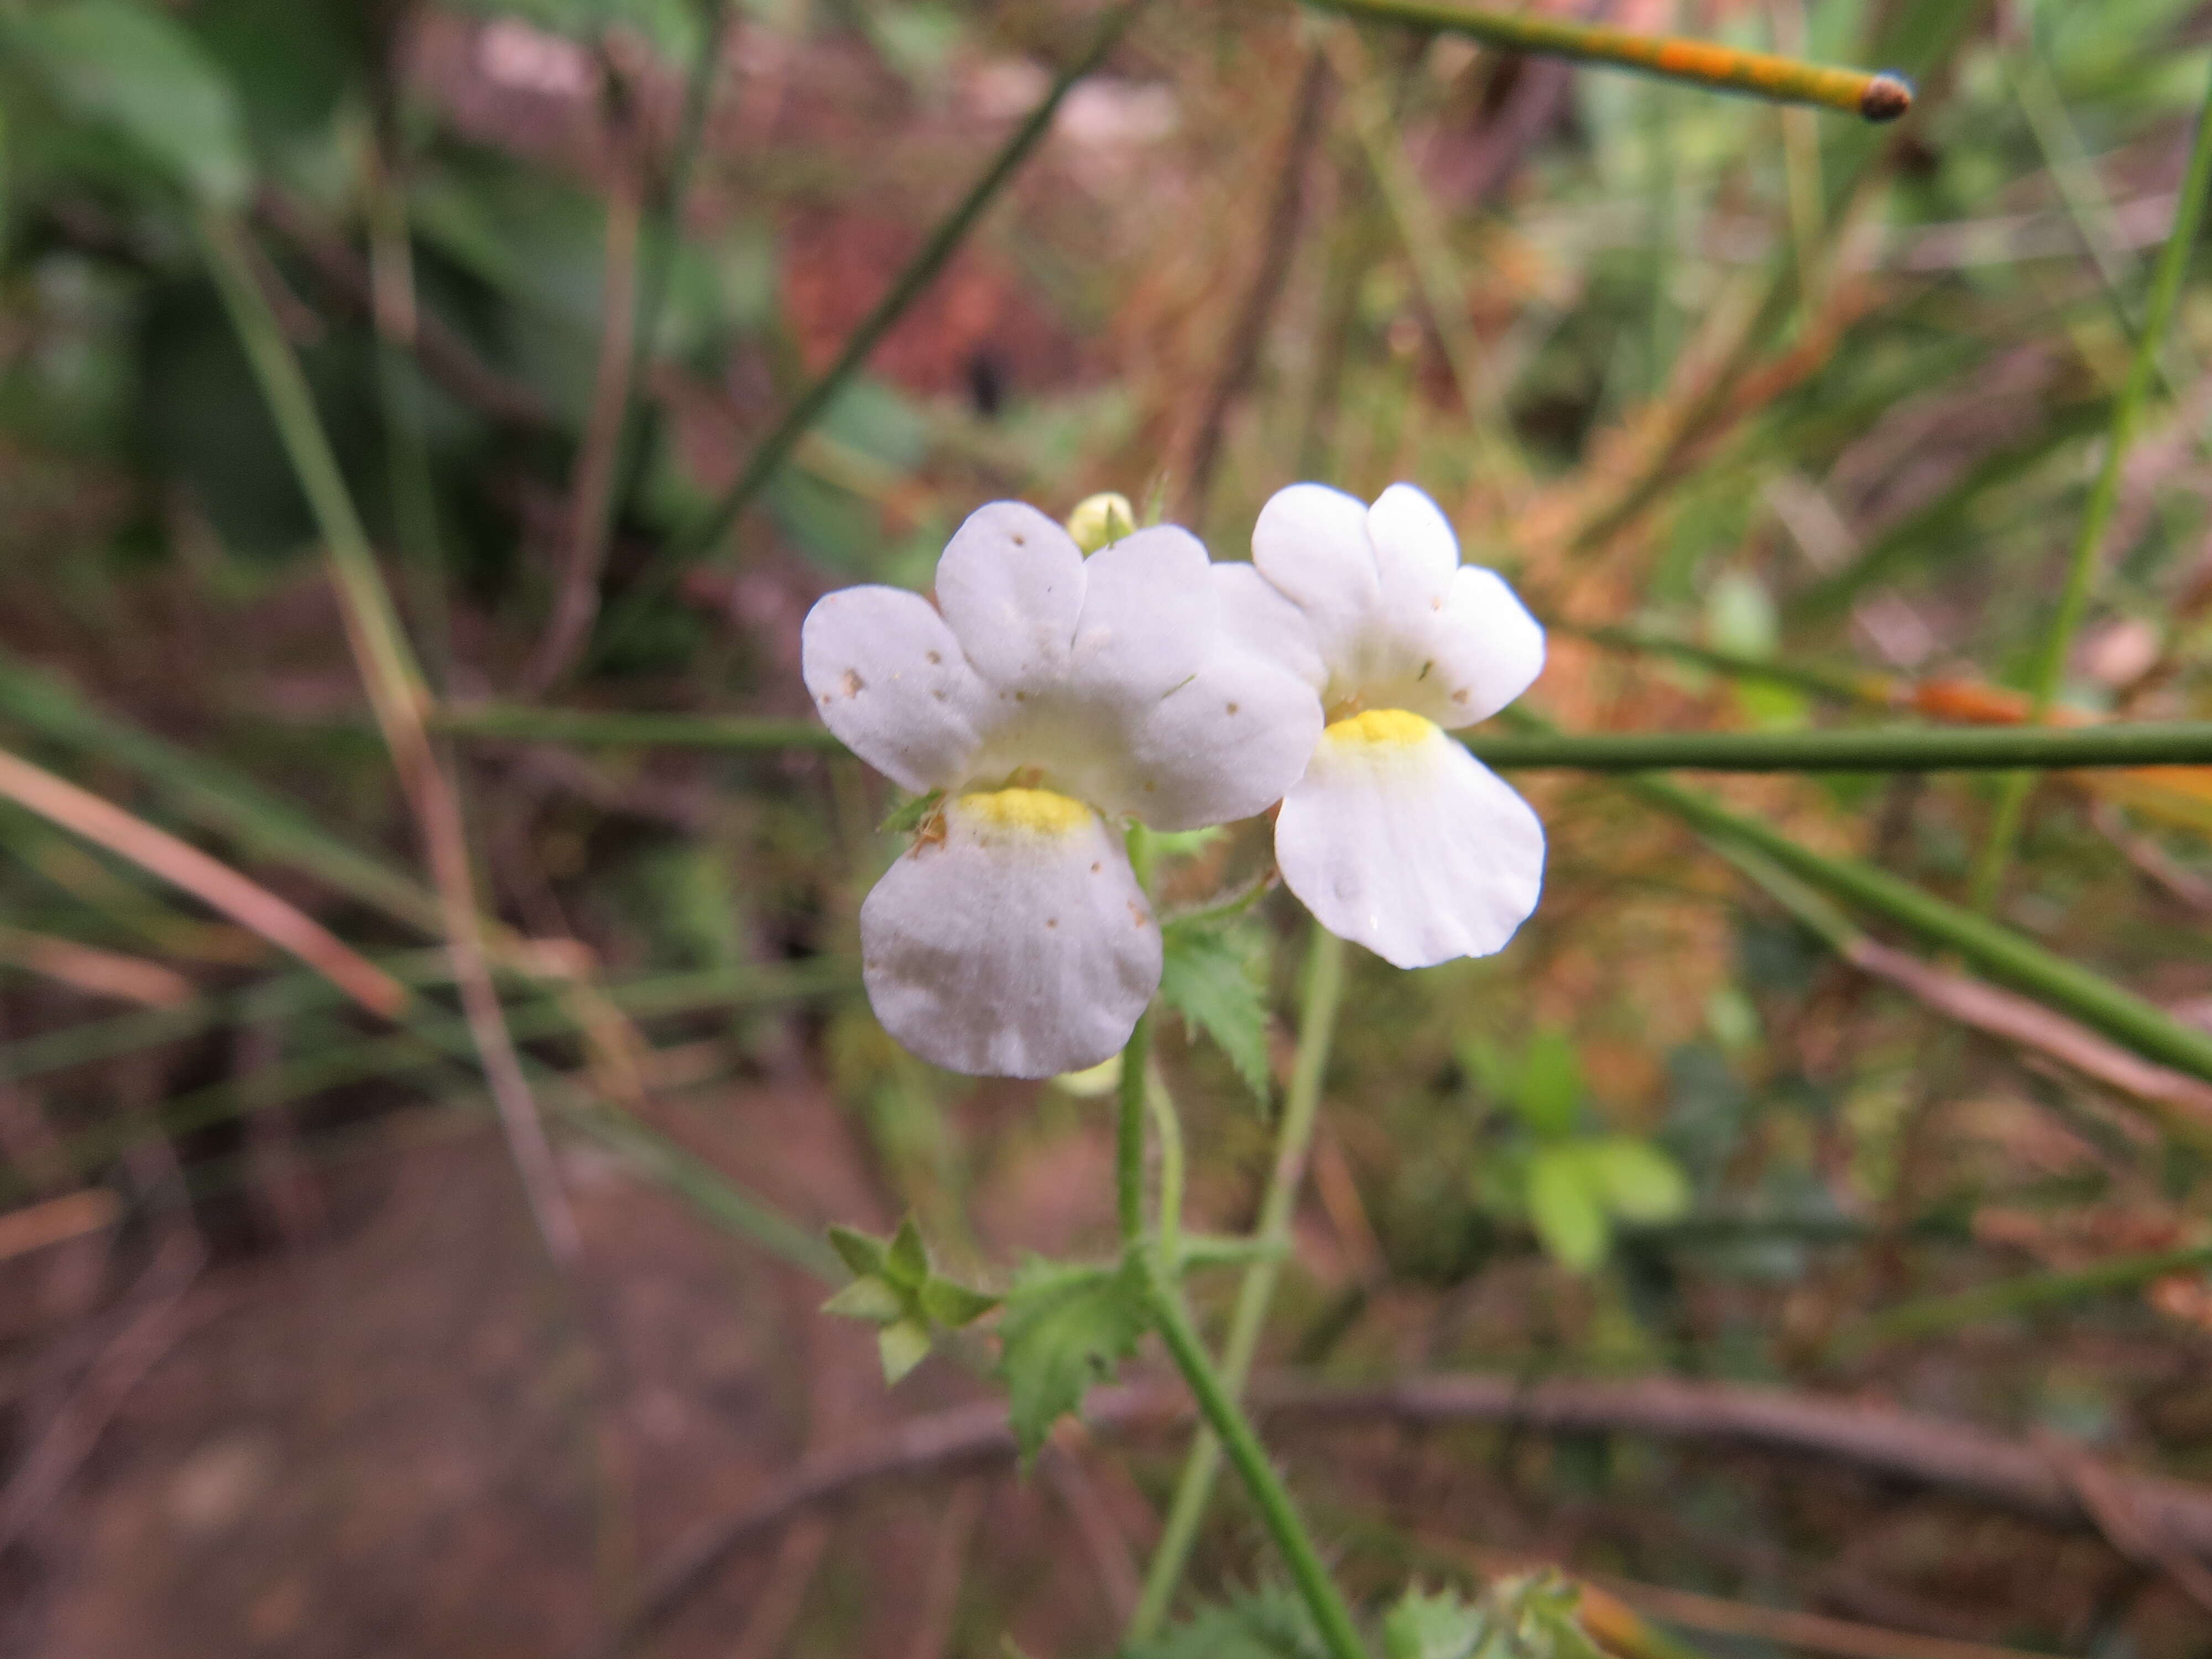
<point x="632" y="326"/>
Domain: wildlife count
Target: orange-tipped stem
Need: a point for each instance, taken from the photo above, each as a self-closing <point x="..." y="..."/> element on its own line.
<point x="1880" y="95"/>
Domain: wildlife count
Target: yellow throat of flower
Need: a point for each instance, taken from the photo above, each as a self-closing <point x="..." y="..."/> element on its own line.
<point x="1379" y="728"/>
<point x="1037" y="812"/>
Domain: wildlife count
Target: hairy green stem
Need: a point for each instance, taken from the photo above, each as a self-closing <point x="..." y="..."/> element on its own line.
<point x="1169" y="1128"/>
<point x="1322" y="998"/>
<point x="2104" y="499"/>
<point x="707" y="534"/>
<point x="1249" y="1458"/>
<point x="1129" y="1133"/>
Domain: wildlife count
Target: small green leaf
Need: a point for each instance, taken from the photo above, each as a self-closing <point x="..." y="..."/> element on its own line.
<point x="1063" y="1330"/>
<point x="906" y="1264"/>
<point x="1206" y="977"/>
<point x="864" y="1254"/>
<point x="1266" y="1624"/>
<point x="868" y="1298"/>
<point x="1639" y="1181"/>
<point x="1550" y="1091"/>
<point x="910" y="814"/>
<point x="135" y="69"/>
<point x="1441" y="1626"/>
<point x="953" y="1304"/>
<point x="902" y="1347"/>
<point x="1564" y="1207"/>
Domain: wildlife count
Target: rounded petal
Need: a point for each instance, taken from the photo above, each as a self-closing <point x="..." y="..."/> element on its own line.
<point x="891" y="682"/>
<point x="1010" y="585"/>
<point x="1255" y="616"/>
<point x="1012" y="940"/>
<point x="1226" y="746"/>
<point x="1398" y="839"/>
<point x="1415" y="549"/>
<point x="1311" y="544"/>
<point x="1149" y="613"/>
<point x="1489" y="648"/>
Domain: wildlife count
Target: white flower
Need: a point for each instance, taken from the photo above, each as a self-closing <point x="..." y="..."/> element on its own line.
<point x="1049" y="697"/>
<point x="1397" y="838"/>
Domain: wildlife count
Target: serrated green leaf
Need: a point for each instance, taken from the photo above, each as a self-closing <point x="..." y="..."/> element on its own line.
<point x="902" y="1347"/>
<point x="910" y="814"/>
<point x="1268" y="1624"/>
<point x="135" y="71"/>
<point x="1206" y="977"/>
<point x="860" y="1252"/>
<point x="1564" y="1206"/>
<point x="1440" y="1626"/>
<point x="906" y="1264"/>
<point x="1639" y="1181"/>
<point x="954" y="1305"/>
<point x="1063" y="1330"/>
<point x="1549" y="1092"/>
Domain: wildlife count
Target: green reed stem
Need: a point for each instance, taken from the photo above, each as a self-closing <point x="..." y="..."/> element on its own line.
<point x="1322" y="1000"/>
<point x="593" y="728"/>
<point x="1249" y="1458"/>
<point x="2104" y="498"/>
<point x="1996" y="949"/>
<point x="428" y="1042"/>
<point x="1876" y="749"/>
<point x="1931" y="1315"/>
<point x="703" y="537"/>
<point x="1877" y="97"/>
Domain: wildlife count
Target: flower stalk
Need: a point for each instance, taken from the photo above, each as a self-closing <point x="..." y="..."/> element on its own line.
<point x="1323" y="997"/>
<point x="1249" y="1458"/>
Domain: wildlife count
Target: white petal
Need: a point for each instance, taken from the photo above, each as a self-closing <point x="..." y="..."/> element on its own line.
<point x="1398" y="839"/>
<point x="891" y="682"/>
<point x="1311" y="544"/>
<point x="1415" y="549"/>
<point x="1255" y="616"/>
<point x="1488" y="648"/>
<point x="1015" y="943"/>
<point x="1149" y="614"/>
<point x="1227" y="745"/>
<point x="1010" y="585"/>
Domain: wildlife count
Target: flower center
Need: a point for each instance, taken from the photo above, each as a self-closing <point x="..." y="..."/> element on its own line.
<point x="1038" y="811"/>
<point x="1380" y="728"/>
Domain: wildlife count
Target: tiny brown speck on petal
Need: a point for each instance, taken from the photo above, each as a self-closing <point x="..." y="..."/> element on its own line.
<point x="1460" y="696"/>
<point x="1138" y="916"/>
<point x="1052" y="921"/>
<point x="852" y="684"/>
<point x="934" y="658"/>
<point x="1232" y="707"/>
<point x="1096" y="868"/>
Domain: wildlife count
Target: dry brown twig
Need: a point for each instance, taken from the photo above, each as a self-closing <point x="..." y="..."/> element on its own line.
<point x="2172" y="1516"/>
<point x="96" y="972"/>
<point x="215" y="884"/>
<point x="135" y="1350"/>
<point x="599" y="457"/>
<point x="2004" y="1014"/>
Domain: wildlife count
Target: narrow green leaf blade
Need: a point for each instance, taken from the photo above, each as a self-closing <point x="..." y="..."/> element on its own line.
<point x="137" y="70"/>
